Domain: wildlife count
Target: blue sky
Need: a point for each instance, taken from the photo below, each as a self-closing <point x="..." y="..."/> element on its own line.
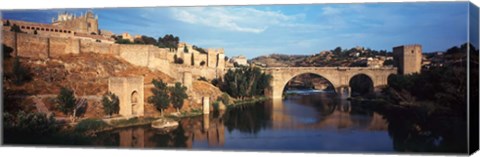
<point x="287" y="29"/>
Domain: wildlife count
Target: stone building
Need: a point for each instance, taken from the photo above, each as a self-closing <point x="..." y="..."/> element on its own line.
<point x="240" y="60"/>
<point x="85" y="24"/>
<point x="408" y="58"/>
<point x="130" y="93"/>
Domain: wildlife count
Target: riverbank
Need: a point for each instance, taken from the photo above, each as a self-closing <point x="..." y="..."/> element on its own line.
<point x="248" y="101"/>
<point x="93" y="125"/>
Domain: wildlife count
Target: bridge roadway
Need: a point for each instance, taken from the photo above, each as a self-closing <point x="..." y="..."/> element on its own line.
<point x="339" y="77"/>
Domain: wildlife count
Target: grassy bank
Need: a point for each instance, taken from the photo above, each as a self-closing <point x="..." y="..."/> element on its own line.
<point x="248" y="101"/>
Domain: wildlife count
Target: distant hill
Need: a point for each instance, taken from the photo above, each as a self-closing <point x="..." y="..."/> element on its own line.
<point x="354" y="57"/>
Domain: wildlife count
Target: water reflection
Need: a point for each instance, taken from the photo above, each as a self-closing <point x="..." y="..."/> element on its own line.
<point x="318" y="122"/>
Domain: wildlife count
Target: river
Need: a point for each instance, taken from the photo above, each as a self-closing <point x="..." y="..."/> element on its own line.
<point x="307" y="122"/>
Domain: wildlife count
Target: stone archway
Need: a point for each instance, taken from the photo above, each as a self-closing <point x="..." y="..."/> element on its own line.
<point x="361" y="84"/>
<point x="134" y="101"/>
<point x="287" y="81"/>
<point x="130" y="91"/>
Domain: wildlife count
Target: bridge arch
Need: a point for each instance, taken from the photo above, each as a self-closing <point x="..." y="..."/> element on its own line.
<point x="361" y="83"/>
<point x="285" y="82"/>
<point x="339" y="77"/>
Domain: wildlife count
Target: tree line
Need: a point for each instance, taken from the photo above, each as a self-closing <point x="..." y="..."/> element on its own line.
<point x="244" y="82"/>
<point x="167" y="41"/>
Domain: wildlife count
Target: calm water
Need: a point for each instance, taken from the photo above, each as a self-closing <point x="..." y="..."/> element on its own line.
<point x="316" y="122"/>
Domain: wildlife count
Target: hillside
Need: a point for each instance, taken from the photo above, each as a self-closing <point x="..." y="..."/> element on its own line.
<point x="87" y="74"/>
<point x="354" y="57"/>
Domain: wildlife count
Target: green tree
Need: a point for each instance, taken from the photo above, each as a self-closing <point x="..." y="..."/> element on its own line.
<point x="7" y="23"/>
<point x="111" y="104"/>
<point x="21" y="74"/>
<point x="15" y="28"/>
<point x="7" y="51"/>
<point x="185" y="49"/>
<point x="168" y="41"/>
<point x="160" y="98"/>
<point x="178" y="94"/>
<point x="123" y="41"/>
<point x="67" y="100"/>
<point x="245" y="82"/>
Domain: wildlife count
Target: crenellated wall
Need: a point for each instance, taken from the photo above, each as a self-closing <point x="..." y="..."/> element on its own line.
<point x="162" y="59"/>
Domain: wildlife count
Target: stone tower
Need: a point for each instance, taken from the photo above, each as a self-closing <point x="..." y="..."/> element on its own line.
<point x="408" y="58"/>
<point x="84" y="24"/>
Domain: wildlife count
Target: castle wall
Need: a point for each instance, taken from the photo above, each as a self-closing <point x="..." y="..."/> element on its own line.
<point x="162" y="59"/>
<point x="135" y="54"/>
<point x="32" y="46"/>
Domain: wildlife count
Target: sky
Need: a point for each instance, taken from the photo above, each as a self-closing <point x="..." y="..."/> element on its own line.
<point x="286" y="29"/>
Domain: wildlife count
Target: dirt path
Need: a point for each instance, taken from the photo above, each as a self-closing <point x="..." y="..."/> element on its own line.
<point x="41" y="106"/>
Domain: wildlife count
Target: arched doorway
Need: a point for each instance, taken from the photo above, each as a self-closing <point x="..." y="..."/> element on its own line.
<point x="361" y="84"/>
<point x="134" y="102"/>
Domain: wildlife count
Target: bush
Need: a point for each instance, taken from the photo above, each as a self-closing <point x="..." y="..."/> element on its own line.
<point x="20" y="73"/>
<point x="111" y="104"/>
<point x="179" y="61"/>
<point x="225" y="98"/>
<point x="15" y="28"/>
<point x="123" y="41"/>
<point x="216" y="82"/>
<point x="203" y="79"/>
<point x="31" y="124"/>
<point x="67" y="101"/>
<point x="7" y="51"/>
<point x="90" y="125"/>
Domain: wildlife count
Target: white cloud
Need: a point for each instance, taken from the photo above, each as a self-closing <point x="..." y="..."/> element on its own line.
<point x="233" y="19"/>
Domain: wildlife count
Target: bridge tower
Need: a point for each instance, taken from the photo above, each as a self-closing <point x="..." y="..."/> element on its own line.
<point x="408" y="58"/>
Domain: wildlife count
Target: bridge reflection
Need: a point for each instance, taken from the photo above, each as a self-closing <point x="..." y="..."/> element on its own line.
<point x="293" y="113"/>
<point x="332" y="114"/>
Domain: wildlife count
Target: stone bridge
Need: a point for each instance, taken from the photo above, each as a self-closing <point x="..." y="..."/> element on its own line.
<point x="339" y="77"/>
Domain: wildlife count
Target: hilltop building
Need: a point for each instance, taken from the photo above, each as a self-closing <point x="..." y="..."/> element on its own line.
<point x="66" y="24"/>
<point x="240" y="60"/>
<point x="84" y="24"/>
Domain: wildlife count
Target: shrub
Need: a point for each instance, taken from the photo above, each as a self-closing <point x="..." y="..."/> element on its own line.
<point x="225" y="98"/>
<point x="15" y="28"/>
<point x="179" y="61"/>
<point x="215" y="82"/>
<point x="31" y="123"/>
<point x="7" y="51"/>
<point x="20" y="73"/>
<point x="111" y="104"/>
<point x="90" y="124"/>
<point x="203" y="79"/>
<point x="67" y="100"/>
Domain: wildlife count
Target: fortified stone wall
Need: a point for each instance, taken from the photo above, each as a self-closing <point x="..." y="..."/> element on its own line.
<point x="162" y="59"/>
<point x="31" y="46"/>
